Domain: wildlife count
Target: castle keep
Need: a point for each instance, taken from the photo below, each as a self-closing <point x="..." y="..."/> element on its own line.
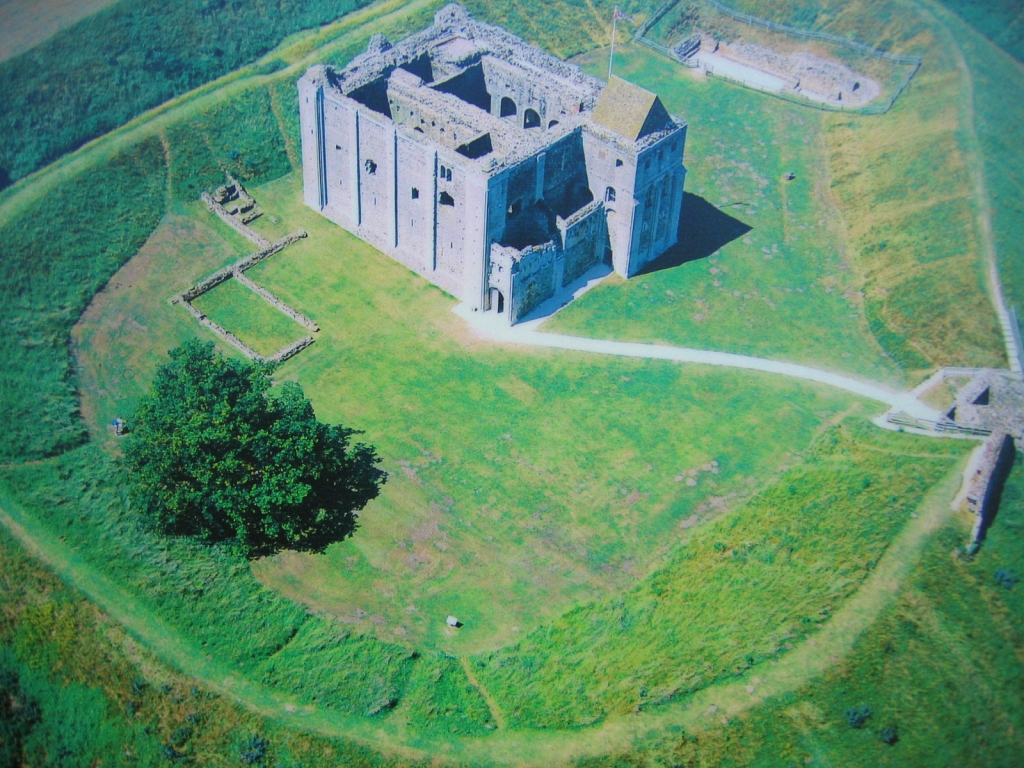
<point x="497" y="171"/>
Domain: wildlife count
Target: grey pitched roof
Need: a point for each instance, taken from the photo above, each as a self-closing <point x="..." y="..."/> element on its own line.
<point x="629" y="110"/>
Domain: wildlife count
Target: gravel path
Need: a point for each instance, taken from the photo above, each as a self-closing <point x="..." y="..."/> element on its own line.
<point x="492" y="327"/>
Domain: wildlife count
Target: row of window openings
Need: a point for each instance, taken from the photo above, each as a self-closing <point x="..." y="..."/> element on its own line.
<point x="446" y="199"/>
<point x="442" y="173"/>
<point x="446" y="173"/>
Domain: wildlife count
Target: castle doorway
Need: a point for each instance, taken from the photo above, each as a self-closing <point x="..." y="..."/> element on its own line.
<point x="497" y="301"/>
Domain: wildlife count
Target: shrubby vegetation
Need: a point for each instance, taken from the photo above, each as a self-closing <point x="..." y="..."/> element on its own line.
<point x="110" y="67"/>
<point x="56" y="255"/>
<point x="89" y="696"/>
<point x="215" y="455"/>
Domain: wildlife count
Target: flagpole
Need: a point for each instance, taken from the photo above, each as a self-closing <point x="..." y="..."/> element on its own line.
<point x="611" y="56"/>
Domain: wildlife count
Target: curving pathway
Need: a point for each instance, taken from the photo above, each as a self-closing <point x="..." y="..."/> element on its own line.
<point x="492" y="327"/>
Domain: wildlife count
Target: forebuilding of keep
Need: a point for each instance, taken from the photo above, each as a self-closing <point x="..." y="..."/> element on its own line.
<point x="500" y="173"/>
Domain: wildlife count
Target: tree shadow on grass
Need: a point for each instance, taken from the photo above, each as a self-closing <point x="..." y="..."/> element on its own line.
<point x="703" y="229"/>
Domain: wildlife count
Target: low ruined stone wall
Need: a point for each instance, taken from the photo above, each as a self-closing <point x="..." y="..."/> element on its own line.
<point x="290" y="351"/>
<point x="218" y="277"/>
<point x="221" y="212"/>
<point x="275" y="302"/>
<point x="235" y="271"/>
<point x="225" y="334"/>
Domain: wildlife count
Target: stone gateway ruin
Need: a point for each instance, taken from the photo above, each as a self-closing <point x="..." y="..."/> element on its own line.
<point x="499" y="172"/>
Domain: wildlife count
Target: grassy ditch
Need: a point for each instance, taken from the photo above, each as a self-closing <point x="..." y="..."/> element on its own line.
<point x="941" y="667"/>
<point x="57" y="254"/>
<point x="737" y="593"/>
<point x="99" y="698"/>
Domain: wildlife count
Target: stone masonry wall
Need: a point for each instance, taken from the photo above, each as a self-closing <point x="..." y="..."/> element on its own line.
<point x="986" y="485"/>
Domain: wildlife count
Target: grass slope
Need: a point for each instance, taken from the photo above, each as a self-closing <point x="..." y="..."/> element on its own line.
<point x="57" y="254"/>
<point x="905" y="193"/>
<point x="104" y="700"/>
<point x="737" y="593"/>
<point x="108" y="68"/>
<point x="941" y="666"/>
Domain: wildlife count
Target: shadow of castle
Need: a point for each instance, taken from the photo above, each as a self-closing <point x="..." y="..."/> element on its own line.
<point x="703" y="229"/>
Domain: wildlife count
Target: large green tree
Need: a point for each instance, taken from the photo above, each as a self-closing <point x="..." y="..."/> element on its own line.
<point x="216" y="454"/>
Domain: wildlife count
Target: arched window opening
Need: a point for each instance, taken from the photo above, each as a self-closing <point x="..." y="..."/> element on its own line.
<point x="531" y="119"/>
<point x="508" y="107"/>
<point x="552" y="124"/>
<point x="609" y="195"/>
<point x="440" y="172"/>
<point x="415" y="194"/>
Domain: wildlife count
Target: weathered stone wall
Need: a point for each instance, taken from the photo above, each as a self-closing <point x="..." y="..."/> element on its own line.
<point x="234" y="222"/>
<point x="275" y="302"/>
<point x="986" y="484"/>
<point x="535" y="278"/>
<point x="235" y="271"/>
<point x="223" y="333"/>
<point x="584" y="240"/>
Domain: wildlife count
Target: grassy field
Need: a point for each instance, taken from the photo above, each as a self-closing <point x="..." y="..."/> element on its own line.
<point x="761" y="267"/>
<point x="786" y="560"/>
<point x="249" y="317"/>
<point x="861" y="249"/>
<point x="1001" y="21"/>
<point x="103" y="699"/>
<point x="941" y="666"/>
<point x="998" y="90"/>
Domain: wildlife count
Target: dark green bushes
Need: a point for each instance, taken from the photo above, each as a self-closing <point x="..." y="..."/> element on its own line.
<point x="101" y="72"/>
<point x="54" y="257"/>
<point x="857" y="717"/>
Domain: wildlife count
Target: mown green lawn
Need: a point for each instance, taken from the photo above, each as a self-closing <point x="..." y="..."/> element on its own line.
<point x="761" y="268"/>
<point x="249" y="317"/>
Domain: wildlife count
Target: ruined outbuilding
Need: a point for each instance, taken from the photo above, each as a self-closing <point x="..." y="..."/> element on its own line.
<point x="498" y="172"/>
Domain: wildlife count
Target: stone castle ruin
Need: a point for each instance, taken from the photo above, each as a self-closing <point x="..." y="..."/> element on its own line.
<point x="500" y="173"/>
